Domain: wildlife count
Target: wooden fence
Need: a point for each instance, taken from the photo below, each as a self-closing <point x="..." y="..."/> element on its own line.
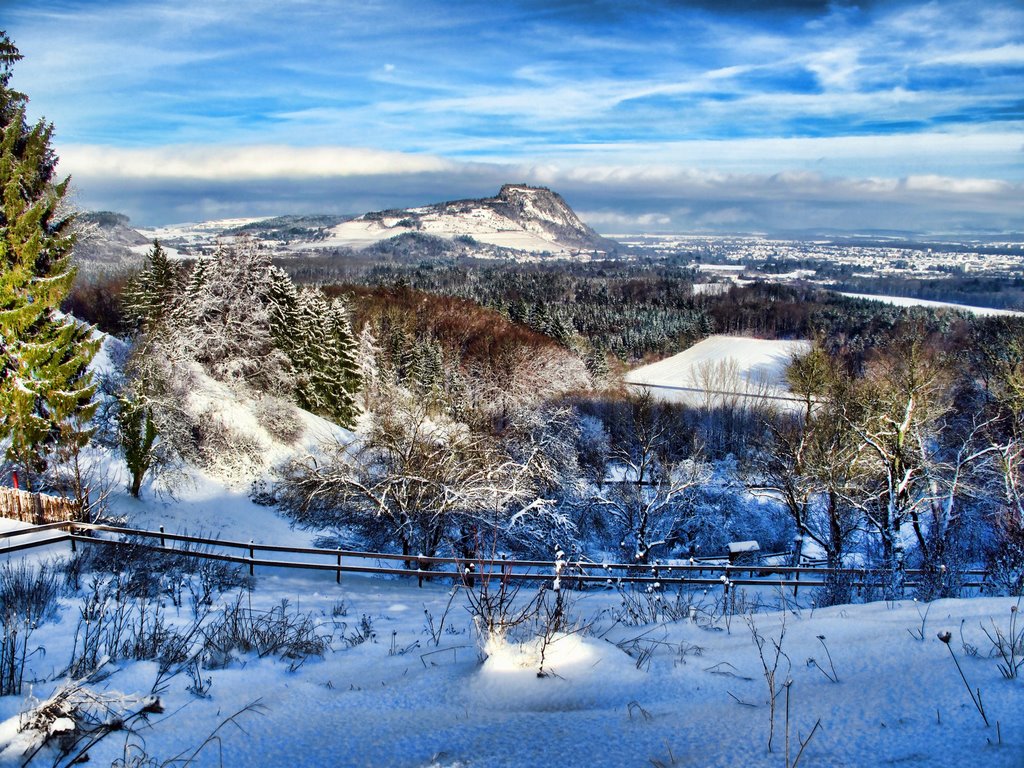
<point x="36" y="508"/>
<point x="573" y="573"/>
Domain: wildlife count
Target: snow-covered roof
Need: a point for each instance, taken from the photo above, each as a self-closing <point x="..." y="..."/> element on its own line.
<point x="739" y="547"/>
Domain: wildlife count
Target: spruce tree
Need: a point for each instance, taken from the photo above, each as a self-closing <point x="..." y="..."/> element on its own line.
<point x="151" y="294"/>
<point x="283" y="305"/>
<point x="346" y="378"/>
<point x="45" y="389"/>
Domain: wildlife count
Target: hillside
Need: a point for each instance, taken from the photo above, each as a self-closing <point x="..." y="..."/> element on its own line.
<point x="107" y="240"/>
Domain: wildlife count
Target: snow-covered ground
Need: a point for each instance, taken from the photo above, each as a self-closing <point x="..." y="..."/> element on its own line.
<point x="616" y="695"/>
<point x="902" y="301"/>
<point x="389" y="691"/>
<point x="720" y="369"/>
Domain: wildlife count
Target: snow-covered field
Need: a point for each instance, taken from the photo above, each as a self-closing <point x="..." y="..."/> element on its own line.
<point x="680" y="693"/>
<point x="404" y="681"/>
<point x="722" y="369"/>
<point x="901" y="301"/>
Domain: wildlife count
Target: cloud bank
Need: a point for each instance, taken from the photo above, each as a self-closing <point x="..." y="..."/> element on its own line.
<point x="170" y="185"/>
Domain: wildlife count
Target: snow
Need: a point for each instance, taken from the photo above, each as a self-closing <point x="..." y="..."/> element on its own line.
<point x="398" y="700"/>
<point x="480" y="224"/>
<point x="903" y="301"/>
<point x="720" y="369"/>
<point x="613" y="695"/>
<point x="711" y="289"/>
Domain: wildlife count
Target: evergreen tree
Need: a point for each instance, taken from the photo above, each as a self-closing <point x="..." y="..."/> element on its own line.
<point x="137" y="433"/>
<point x="326" y="358"/>
<point x="283" y="304"/>
<point x="45" y="388"/>
<point x="344" y="365"/>
<point x="309" y="357"/>
<point x="366" y="359"/>
<point x="151" y="294"/>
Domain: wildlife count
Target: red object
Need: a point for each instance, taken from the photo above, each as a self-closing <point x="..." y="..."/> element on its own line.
<point x="14" y="477"/>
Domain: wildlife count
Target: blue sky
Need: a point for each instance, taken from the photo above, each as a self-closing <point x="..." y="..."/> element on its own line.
<point x="645" y="114"/>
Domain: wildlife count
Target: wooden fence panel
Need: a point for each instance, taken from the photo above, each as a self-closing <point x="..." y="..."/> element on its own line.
<point x="36" y="508"/>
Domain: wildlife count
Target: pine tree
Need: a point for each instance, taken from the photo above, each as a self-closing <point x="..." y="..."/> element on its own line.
<point x="366" y="359"/>
<point x="45" y="388"/>
<point x="283" y="305"/>
<point x="345" y="363"/>
<point x="326" y="358"/>
<point x="150" y="296"/>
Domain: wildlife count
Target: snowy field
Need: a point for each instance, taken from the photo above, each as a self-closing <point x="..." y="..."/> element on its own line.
<point x="665" y="693"/>
<point x="720" y="370"/>
<point x="406" y="681"/>
<point x="900" y="301"/>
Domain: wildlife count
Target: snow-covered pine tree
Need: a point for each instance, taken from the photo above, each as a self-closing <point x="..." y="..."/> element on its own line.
<point x="45" y="389"/>
<point x="310" y="356"/>
<point x="327" y="371"/>
<point x="366" y="359"/>
<point x="151" y="294"/>
<point x="226" y="320"/>
<point x="283" y="298"/>
<point x="345" y="363"/>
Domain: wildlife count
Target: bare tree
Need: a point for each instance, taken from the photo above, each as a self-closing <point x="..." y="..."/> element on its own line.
<point x="413" y="479"/>
<point x="644" y="501"/>
<point x="912" y="464"/>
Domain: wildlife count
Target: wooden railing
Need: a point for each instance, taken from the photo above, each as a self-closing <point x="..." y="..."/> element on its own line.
<point x="576" y="573"/>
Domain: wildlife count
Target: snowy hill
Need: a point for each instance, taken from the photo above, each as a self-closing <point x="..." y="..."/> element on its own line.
<point x="107" y="240"/>
<point x="531" y="220"/>
<point x="720" y="368"/>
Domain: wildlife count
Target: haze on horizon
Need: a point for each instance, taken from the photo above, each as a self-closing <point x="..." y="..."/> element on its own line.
<point x="657" y="116"/>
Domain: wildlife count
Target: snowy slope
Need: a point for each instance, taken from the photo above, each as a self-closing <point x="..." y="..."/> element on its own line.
<point x="213" y="499"/>
<point x="903" y="301"/>
<point x="618" y="695"/>
<point x="722" y="367"/>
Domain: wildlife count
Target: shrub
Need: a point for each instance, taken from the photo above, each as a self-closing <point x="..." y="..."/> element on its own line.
<point x="241" y="629"/>
<point x="28" y="598"/>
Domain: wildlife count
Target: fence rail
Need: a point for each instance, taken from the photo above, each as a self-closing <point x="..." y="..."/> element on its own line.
<point x="462" y="570"/>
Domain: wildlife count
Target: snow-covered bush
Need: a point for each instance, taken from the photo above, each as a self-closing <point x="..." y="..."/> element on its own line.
<point x="28" y="597"/>
<point x="61" y="730"/>
<point x="279" y="418"/>
<point x="240" y="629"/>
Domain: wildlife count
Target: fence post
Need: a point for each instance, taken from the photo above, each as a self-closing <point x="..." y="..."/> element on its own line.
<point x="74" y="544"/>
<point x="163" y="542"/>
<point x="796" y="579"/>
<point x="252" y="557"/>
<point x="338" y="578"/>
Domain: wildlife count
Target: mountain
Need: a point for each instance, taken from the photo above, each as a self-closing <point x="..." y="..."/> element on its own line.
<point x="520" y="219"/>
<point x="520" y="223"/>
<point x="107" y="240"/>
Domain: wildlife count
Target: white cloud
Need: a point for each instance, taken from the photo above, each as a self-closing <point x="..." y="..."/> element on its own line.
<point x="1003" y="54"/>
<point x="212" y="163"/>
<point x="944" y="184"/>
